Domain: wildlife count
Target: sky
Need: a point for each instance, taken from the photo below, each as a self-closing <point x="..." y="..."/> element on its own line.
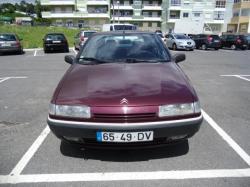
<point x="15" y="1"/>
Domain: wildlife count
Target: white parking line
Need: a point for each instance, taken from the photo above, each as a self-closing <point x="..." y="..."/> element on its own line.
<point x="31" y="151"/>
<point x="35" y="52"/>
<point x="7" y="78"/>
<point x="74" y="51"/>
<point x="243" y="77"/>
<point x="15" y="176"/>
<point x="126" y="176"/>
<point x="227" y="138"/>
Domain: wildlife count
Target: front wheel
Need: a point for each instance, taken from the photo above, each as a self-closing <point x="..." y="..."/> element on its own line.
<point x="204" y="47"/>
<point x="216" y="48"/>
<point x="174" y="47"/>
<point x="233" y="47"/>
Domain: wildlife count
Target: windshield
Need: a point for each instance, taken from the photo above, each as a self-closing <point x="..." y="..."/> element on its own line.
<point x="181" y="37"/>
<point x="88" y="34"/>
<point x="124" y="27"/>
<point x="7" y="37"/>
<point x="124" y="48"/>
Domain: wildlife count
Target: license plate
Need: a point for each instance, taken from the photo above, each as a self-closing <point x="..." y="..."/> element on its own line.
<point x="6" y="45"/>
<point x="125" y="136"/>
<point x="216" y="40"/>
<point x="56" y="42"/>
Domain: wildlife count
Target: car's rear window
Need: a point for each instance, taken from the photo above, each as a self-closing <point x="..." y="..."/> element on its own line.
<point x="121" y="47"/>
<point x="7" y="37"/>
<point x="55" y="37"/>
<point x="215" y="37"/>
<point x="88" y="34"/>
<point x="124" y="27"/>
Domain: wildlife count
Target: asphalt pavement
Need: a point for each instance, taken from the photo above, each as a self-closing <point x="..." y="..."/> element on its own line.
<point x="218" y="155"/>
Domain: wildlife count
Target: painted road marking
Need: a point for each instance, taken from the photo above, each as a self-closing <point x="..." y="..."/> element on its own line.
<point x="74" y="51"/>
<point x="243" y="77"/>
<point x="31" y="151"/>
<point x="16" y="177"/>
<point x="227" y="138"/>
<point x="35" y="52"/>
<point x="2" y="79"/>
<point x="126" y="176"/>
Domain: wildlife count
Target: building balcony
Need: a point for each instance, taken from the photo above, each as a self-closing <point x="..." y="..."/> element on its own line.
<point x="136" y="18"/>
<point x="74" y="15"/>
<point x="57" y="2"/>
<point x="151" y="7"/>
<point x="240" y="19"/>
<point x="241" y="5"/>
<point x="97" y="2"/>
<point x="122" y="7"/>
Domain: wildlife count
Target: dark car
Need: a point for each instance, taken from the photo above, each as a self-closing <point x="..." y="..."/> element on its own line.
<point x="124" y="89"/>
<point x="248" y="40"/>
<point x="10" y="43"/>
<point x="191" y="35"/>
<point x="55" y="42"/>
<point x="205" y="41"/>
<point x="234" y="41"/>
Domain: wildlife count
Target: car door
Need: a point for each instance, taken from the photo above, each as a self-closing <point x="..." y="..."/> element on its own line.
<point x="170" y="40"/>
<point x="77" y="40"/>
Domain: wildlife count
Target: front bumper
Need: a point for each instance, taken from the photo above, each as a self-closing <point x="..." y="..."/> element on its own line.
<point x="185" y="46"/>
<point x="163" y="130"/>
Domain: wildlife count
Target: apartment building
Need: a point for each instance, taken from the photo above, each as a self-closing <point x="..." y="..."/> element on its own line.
<point x="146" y="14"/>
<point x="77" y="13"/>
<point x="196" y="16"/>
<point x="240" y="21"/>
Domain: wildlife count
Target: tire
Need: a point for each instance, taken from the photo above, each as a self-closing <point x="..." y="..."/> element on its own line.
<point x="233" y="47"/>
<point x="75" y="46"/>
<point x="216" y="48"/>
<point x="66" y="50"/>
<point x="174" y="47"/>
<point x="204" y="47"/>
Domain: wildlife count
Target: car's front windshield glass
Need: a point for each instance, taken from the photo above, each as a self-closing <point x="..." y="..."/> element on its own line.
<point x="88" y="34"/>
<point x="181" y="37"/>
<point x="124" y="48"/>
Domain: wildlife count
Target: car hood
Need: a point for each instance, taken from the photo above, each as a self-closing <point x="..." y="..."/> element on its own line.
<point x="185" y="40"/>
<point x="140" y="84"/>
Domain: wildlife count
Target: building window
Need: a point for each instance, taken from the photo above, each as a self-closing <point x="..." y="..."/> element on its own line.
<point x="197" y="14"/>
<point x="175" y="2"/>
<point x="174" y="15"/>
<point x="185" y="14"/>
<point x="218" y="15"/>
<point x="220" y="4"/>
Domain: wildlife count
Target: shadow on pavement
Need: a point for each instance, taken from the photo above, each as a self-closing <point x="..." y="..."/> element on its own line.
<point x="125" y="155"/>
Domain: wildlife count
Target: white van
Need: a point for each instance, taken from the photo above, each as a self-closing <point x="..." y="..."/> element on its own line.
<point x="118" y="27"/>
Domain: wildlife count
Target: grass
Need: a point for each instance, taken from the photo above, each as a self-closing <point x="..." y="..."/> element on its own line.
<point x="32" y="36"/>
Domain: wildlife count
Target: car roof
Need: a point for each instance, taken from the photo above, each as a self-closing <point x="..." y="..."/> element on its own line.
<point x="8" y="34"/>
<point x="123" y="32"/>
<point x="54" y="33"/>
<point x="87" y="31"/>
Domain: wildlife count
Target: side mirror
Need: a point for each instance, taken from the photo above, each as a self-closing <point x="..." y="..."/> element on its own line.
<point x="69" y="59"/>
<point x="179" y="57"/>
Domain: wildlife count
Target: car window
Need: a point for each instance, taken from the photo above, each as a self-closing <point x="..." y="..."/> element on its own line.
<point x="180" y="37"/>
<point x="125" y="46"/>
<point x="124" y="27"/>
<point x="215" y="37"/>
<point x="88" y="34"/>
<point x="55" y="37"/>
<point x="7" y="37"/>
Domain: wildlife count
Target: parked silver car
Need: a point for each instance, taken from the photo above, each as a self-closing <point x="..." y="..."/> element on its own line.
<point x="179" y="41"/>
<point x="81" y="38"/>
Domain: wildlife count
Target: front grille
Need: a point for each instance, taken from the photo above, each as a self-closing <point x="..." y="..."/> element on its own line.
<point x="125" y="117"/>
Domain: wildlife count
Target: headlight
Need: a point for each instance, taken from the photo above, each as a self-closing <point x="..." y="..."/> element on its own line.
<point x="70" y="111"/>
<point x="179" y="109"/>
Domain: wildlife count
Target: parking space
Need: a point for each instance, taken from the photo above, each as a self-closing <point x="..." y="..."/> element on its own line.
<point x="216" y="156"/>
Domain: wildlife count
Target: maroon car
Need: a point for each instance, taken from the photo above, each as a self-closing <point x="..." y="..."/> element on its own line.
<point x="124" y="89"/>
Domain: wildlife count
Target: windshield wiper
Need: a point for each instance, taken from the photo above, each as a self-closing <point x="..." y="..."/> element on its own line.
<point x="93" y="60"/>
<point x="134" y="60"/>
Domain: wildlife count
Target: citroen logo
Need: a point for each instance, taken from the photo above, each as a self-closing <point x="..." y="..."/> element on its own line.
<point x="124" y="101"/>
